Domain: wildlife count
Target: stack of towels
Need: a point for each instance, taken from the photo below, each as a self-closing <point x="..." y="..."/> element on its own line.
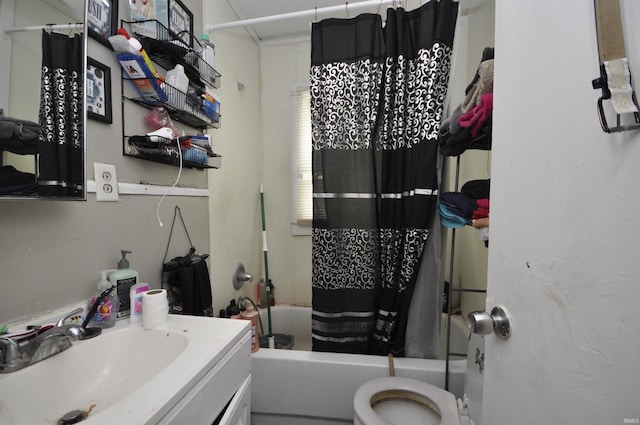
<point x="459" y="209"/>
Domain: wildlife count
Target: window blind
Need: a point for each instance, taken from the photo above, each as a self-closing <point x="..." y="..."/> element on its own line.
<point x="303" y="184"/>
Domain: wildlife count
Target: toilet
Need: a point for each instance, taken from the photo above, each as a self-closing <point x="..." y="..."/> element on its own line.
<point x="404" y="401"/>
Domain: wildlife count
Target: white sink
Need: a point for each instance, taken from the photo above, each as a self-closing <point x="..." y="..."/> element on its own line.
<point x="125" y="375"/>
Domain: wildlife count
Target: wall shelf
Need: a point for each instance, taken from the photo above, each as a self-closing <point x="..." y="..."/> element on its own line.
<point x="182" y="107"/>
<point x="168" y="50"/>
<point x="166" y="151"/>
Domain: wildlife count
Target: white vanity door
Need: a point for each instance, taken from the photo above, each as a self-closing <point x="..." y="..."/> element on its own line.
<point x="239" y="410"/>
<point x="204" y="402"/>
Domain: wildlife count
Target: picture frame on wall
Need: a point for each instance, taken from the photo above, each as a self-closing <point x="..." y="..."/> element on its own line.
<point x="102" y="20"/>
<point x="181" y="22"/>
<point x="98" y="91"/>
<point x="146" y="15"/>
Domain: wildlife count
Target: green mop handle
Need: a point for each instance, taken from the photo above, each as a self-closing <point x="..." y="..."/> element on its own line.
<point x="266" y="260"/>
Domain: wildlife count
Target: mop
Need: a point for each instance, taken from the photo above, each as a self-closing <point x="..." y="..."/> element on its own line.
<point x="278" y="340"/>
<point x="272" y="343"/>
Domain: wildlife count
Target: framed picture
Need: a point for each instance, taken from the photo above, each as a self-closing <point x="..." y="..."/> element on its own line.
<point x="102" y="20"/>
<point x="181" y="21"/>
<point x="98" y="91"/>
<point x="147" y="14"/>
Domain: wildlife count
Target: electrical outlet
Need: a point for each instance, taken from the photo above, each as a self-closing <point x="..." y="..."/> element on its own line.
<point x="106" y="182"/>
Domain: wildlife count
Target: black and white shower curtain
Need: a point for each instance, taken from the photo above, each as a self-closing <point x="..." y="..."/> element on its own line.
<point x="377" y="97"/>
<point x="61" y="145"/>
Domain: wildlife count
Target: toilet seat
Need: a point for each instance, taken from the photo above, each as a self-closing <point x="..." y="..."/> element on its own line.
<point x="440" y="401"/>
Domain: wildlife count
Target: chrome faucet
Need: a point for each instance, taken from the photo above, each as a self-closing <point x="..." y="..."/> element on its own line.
<point x="15" y="356"/>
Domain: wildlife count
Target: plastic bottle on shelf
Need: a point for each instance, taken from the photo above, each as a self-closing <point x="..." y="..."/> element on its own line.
<point x="209" y="58"/>
<point x="136" y="68"/>
<point x="179" y="82"/>
<point x="138" y="46"/>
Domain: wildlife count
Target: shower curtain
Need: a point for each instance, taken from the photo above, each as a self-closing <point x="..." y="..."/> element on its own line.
<point x="61" y="144"/>
<point x="377" y="96"/>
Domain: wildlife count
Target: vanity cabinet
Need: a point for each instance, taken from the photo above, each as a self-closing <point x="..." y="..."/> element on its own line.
<point x="222" y="396"/>
<point x="166" y="50"/>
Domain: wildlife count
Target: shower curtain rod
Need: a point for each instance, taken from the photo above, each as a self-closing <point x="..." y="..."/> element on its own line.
<point x="49" y="27"/>
<point x="301" y="14"/>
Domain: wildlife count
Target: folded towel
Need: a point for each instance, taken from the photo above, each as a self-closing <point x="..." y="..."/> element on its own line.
<point x="13" y="128"/>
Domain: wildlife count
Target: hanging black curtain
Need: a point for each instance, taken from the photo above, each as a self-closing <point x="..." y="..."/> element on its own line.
<point x="61" y="147"/>
<point x="376" y="103"/>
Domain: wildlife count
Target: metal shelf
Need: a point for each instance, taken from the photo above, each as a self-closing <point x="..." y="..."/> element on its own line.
<point x="168" y="49"/>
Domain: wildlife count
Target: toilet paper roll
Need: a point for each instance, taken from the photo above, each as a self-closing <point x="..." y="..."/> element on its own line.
<point x="155" y="308"/>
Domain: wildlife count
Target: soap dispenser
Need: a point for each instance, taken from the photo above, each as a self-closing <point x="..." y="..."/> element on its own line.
<point x="124" y="278"/>
<point x="106" y="313"/>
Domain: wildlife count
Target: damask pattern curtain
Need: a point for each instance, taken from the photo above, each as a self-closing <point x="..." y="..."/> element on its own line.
<point x="377" y="96"/>
<point x="61" y="149"/>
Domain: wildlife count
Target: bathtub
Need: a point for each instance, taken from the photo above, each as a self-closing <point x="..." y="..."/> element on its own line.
<point x="302" y="387"/>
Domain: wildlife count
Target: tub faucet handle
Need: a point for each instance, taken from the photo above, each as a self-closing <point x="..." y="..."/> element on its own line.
<point x="240" y="276"/>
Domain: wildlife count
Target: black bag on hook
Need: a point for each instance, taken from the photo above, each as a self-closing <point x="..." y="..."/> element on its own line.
<point x="189" y="284"/>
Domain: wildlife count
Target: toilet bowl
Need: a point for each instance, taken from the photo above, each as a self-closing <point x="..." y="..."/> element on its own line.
<point x="405" y="401"/>
<point x="396" y="401"/>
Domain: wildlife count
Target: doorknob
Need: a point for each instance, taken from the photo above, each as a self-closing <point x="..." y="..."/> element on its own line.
<point x="483" y="323"/>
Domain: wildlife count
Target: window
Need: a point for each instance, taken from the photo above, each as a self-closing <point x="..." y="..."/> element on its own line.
<point x="302" y="184"/>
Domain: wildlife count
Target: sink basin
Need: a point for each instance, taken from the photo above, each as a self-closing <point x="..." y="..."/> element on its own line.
<point x="127" y="372"/>
<point x="92" y="375"/>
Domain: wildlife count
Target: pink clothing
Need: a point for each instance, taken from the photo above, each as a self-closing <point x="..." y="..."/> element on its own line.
<point x="483" y="203"/>
<point x="478" y="116"/>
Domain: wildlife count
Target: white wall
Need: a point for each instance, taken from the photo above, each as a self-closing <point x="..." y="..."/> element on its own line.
<point x="283" y="67"/>
<point x="563" y="258"/>
<point x="235" y="230"/>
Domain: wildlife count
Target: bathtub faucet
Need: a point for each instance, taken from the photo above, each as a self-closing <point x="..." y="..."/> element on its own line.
<point x="240" y="276"/>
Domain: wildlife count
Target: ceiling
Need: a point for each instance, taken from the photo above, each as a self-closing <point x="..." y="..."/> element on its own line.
<point x="298" y="27"/>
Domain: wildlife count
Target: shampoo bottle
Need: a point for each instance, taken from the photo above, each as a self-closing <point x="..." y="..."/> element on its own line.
<point x="233" y="311"/>
<point x="124" y="278"/>
<point x="107" y="311"/>
<point x="251" y="314"/>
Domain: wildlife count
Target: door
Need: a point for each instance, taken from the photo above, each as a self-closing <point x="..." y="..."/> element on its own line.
<point x="564" y="255"/>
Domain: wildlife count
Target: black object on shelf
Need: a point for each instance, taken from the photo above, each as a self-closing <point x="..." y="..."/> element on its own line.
<point x="166" y="152"/>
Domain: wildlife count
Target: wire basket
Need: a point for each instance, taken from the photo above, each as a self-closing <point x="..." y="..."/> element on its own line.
<point x="195" y="154"/>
